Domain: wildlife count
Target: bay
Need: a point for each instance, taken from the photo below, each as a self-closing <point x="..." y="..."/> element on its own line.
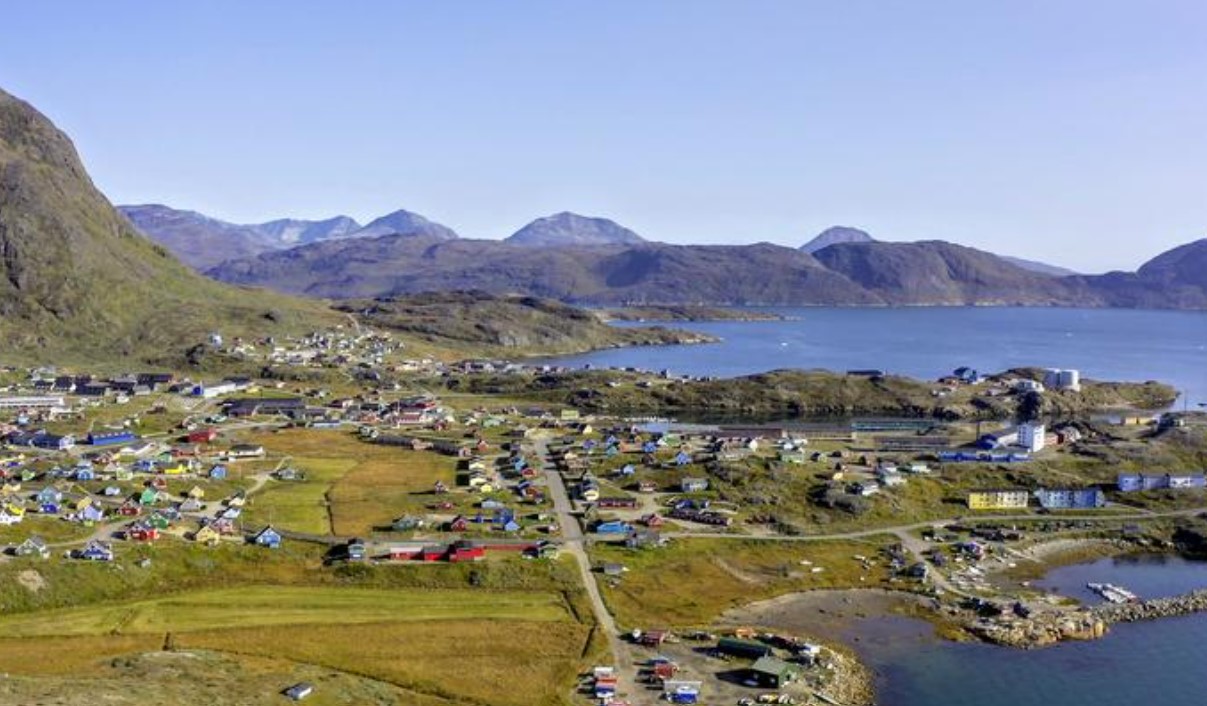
<point x="928" y="342"/>
<point x="1158" y="661"/>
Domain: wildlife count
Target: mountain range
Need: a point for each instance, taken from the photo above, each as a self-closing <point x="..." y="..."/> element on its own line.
<point x="853" y="273"/>
<point x="73" y="269"/>
<point x="203" y="242"/>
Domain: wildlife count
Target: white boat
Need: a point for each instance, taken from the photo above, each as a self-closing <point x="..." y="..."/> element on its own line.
<point x="1113" y="593"/>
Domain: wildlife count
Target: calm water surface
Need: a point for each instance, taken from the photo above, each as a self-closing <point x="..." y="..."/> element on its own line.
<point x="1105" y="344"/>
<point x="1162" y="662"/>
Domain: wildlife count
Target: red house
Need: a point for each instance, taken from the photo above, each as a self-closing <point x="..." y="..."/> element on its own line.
<point x="406" y="553"/>
<point x="129" y="509"/>
<point x="433" y="553"/>
<point x="458" y="524"/>
<point x="144" y="534"/>
<point x="466" y="551"/>
<point x="203" y="436"/>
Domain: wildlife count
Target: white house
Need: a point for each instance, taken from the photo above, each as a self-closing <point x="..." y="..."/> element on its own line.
<point x="1031" y="436"/>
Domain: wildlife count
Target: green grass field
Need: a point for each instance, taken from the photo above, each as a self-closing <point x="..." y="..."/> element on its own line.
<point x="258" y="606"/>
<point x="351" y="487"/>
<point x="662" y="586"/>
<point x="520" y="627"/>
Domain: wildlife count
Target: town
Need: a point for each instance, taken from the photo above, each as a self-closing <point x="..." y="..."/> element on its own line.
<point x="390" y="470"/>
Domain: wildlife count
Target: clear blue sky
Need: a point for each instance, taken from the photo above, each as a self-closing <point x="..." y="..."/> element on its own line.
<point x="1073" y="132"/>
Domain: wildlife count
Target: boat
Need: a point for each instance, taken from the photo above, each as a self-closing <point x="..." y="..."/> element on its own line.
<point x="1113" y="593"/>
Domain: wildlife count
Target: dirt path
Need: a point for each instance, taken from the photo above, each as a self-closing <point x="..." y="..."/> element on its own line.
<point x="574" y="542"/>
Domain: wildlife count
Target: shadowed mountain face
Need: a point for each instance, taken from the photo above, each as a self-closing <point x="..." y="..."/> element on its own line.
<point x="77" y="278"/>
<point x="570" y="229"/>
<point x="935" y="272"/>
<point x="652" y="272"/>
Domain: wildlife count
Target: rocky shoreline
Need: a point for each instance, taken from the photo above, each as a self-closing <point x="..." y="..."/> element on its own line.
<point x="1083" y="623"/>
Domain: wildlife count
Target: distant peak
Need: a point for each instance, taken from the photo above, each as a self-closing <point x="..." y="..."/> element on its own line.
<point x="835" y="235"/>
<point x="568" y="228"/>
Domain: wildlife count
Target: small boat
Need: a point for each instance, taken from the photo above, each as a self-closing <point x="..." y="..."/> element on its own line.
<point x="1113" y="593"/>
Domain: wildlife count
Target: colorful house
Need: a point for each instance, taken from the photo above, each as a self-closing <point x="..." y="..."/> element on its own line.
<point x="998" y="499"/>
<point x="1071" y="498"/>
<point x="33" y="546"/>
<point x="95" y="551"/>
<point x="206" y="535"/>
<point x="267" y="537"/>
<point x="1134" y="482"/>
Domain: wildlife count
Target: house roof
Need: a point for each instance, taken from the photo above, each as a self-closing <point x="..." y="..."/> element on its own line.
<point x="774" y="666"/>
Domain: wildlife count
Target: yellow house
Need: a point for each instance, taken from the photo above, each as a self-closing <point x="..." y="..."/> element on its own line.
<point x="197" y="492"/>
<point x="15" y="510"/>
<point x="178" y="470"/>
<point x="1005" y="499"/>
<point x="207" y="535"/>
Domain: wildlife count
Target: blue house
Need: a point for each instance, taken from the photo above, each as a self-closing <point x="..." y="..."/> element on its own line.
<point x="85" y="473"/>
<point x="111" y="438"/>
<point x="613" y="527"/>
<point x="49" y="508"/>
<point x="267" y="537"/>
<point x="96" y="551"/>
<point x="649" y="447"/>
<point x="218" y="472"/>
<point x="50" y="494"/>
<point x="92" y="513"/>
<point x="1135" y="482"/>
<point x="1071" y="498"/>
<point x="682" y="458"/>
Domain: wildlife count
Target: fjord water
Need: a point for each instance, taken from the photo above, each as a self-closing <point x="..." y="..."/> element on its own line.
<point x="926" y="342"/>
<point x="1160" y="662"/>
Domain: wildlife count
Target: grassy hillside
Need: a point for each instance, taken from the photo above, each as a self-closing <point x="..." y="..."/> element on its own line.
<point x="485" y="324"/>
<point x="78" y="282"/>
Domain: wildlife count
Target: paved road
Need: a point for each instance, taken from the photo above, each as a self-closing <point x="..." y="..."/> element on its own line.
<point x="574" y="542"/>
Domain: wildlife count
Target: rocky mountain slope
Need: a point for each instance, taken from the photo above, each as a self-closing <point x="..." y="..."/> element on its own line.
<point x="78" y="280"/>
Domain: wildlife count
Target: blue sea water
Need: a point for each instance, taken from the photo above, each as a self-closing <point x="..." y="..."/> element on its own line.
<point x="1105" y="344"/>
<point x="1160" y="662"/>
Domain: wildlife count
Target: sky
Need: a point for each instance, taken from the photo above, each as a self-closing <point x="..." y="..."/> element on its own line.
<point x="1073" y="132"/>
